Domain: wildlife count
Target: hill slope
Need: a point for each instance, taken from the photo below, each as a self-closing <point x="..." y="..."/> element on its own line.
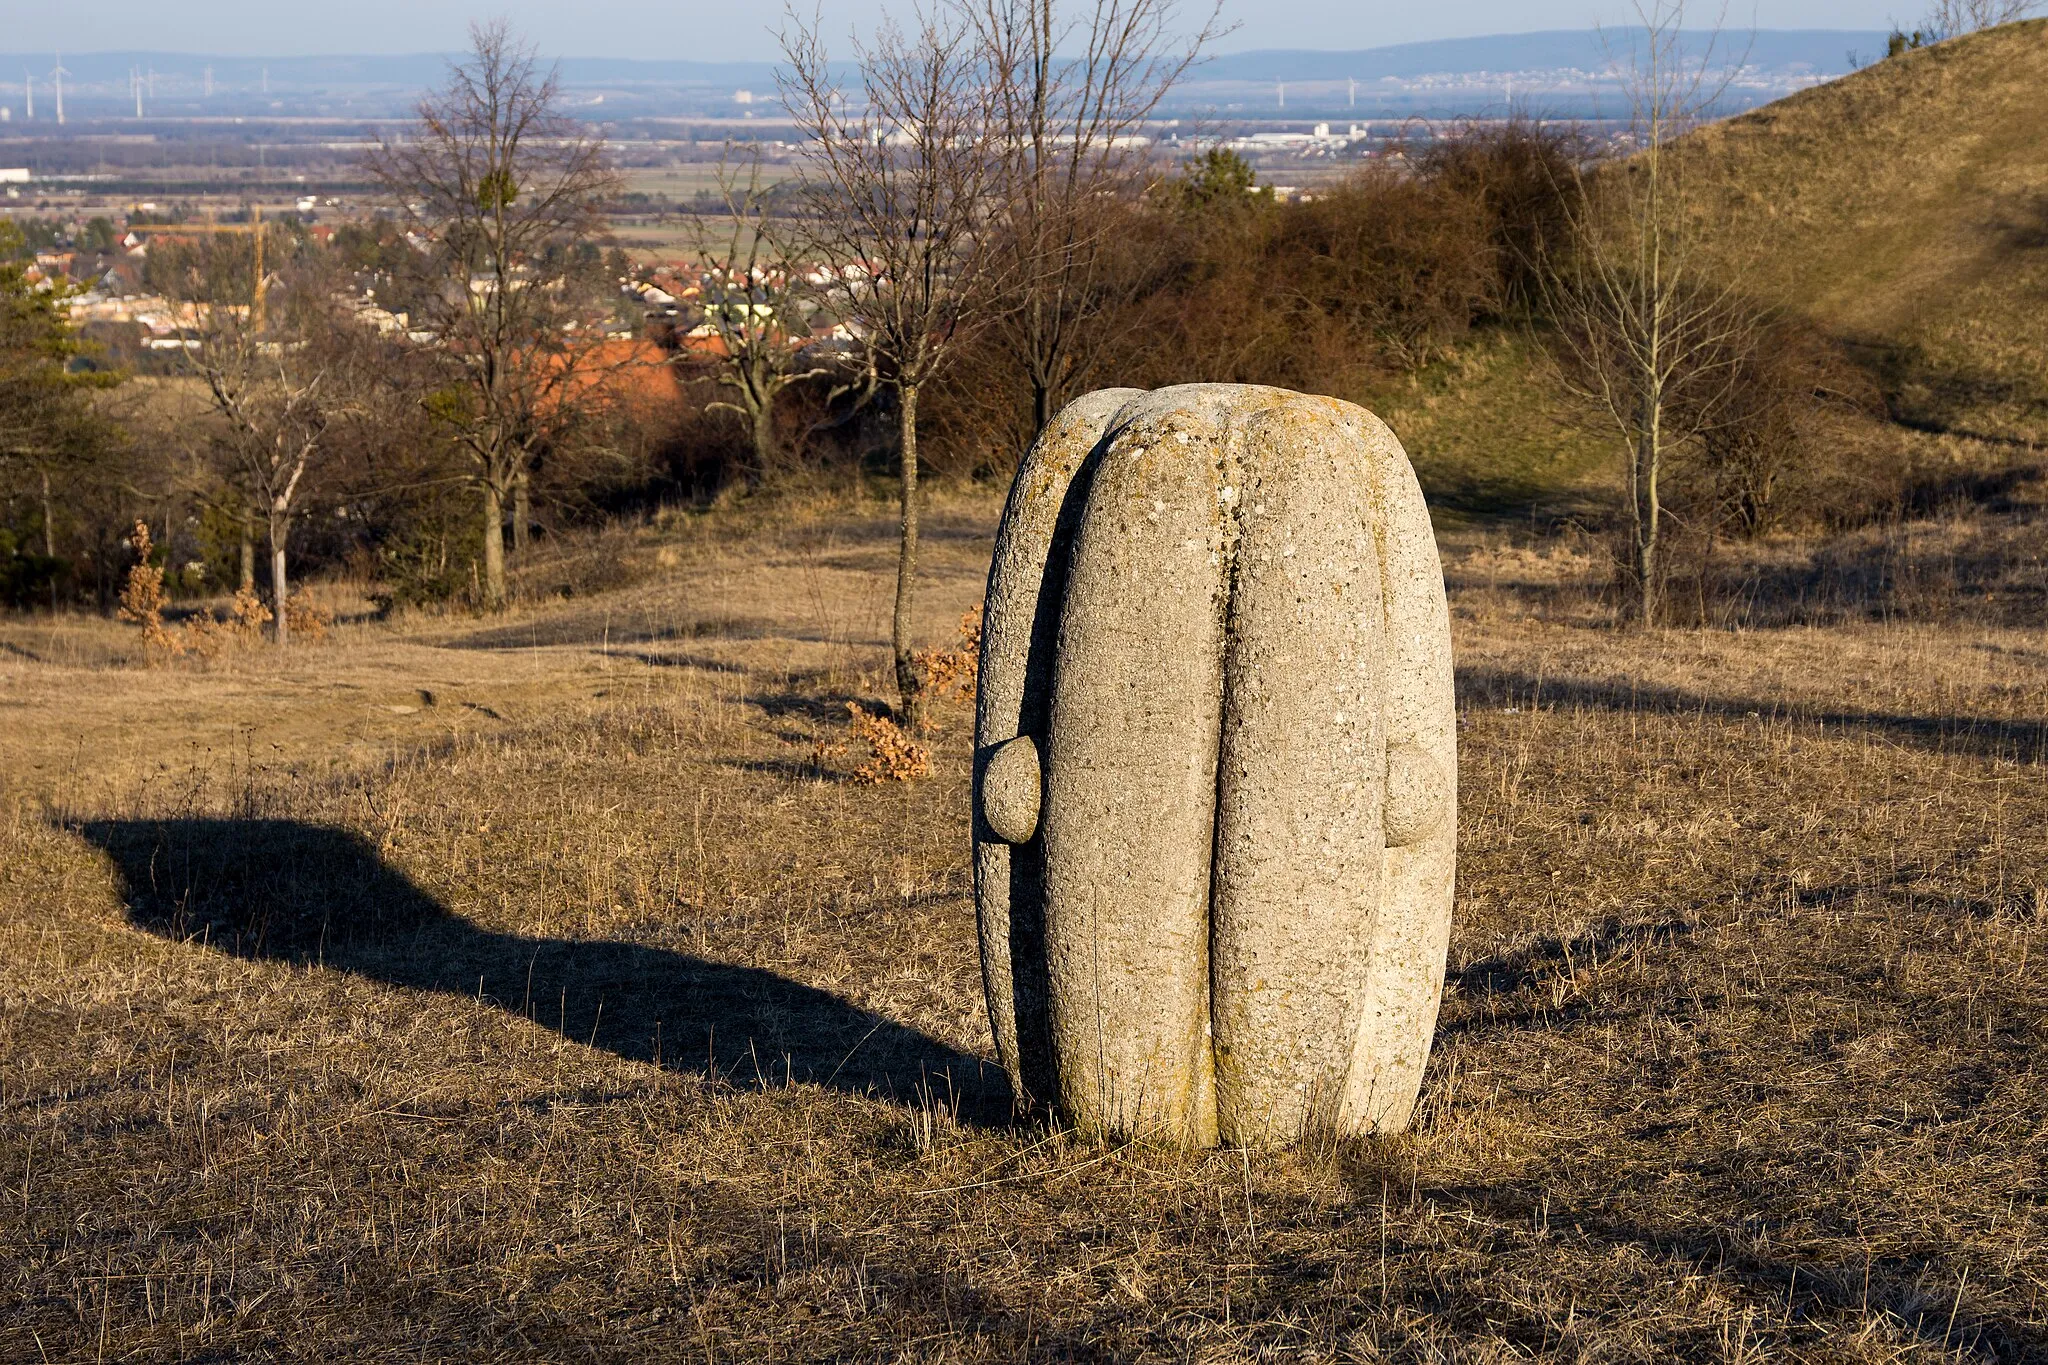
<point x="1905" y="207"/>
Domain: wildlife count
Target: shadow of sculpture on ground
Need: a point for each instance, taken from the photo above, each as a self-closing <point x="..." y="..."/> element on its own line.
<point x="290" y="891"/>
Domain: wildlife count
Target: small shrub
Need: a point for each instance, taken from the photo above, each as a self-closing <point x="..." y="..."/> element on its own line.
<point x="424" y="566"/>
<point x="142" y="599"/>
<point x="893" y="756"/>
<point x="248" y="614"/>
<point x="954" y="672"/>
<point x="206" y="639"/>
<point x="306" y="619"/>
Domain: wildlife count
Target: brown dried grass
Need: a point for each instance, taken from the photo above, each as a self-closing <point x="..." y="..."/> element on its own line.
<point x="520" y="992"/>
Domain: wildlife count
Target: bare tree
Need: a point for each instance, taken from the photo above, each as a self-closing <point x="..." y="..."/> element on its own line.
<point x="1953" y="18"/>
<point x="753" y="303"/>
<point x="895" y="188"/>
<point x="499" y="183"/>
<point x="1069" y="97"/>
<point x="1645" y="327"/>
<point x="283" y="396"/>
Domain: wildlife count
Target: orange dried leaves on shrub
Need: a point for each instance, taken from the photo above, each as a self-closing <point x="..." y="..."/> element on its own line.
<point x="306" y="619"/>
<point x="143" y="599"/>
<point x="208" y="639"/>
<point x="248" y="614"/>
<point x="892" y="755"/>
<point x="954" y="672"/>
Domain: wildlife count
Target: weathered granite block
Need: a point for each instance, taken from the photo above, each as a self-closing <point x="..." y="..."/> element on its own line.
<point x="1215" y="789"/>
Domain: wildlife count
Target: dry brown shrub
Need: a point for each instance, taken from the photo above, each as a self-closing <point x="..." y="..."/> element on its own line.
<point x="954" y="672"/>
<point x="143" y="598"/>
<point x="893" y="756"/>
<point x="248" y="613"/>
<point x="306" y="619"/>
<point x="206" y="639"/>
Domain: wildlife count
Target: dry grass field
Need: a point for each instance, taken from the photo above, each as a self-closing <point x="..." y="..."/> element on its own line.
<point x="525" y="989"/>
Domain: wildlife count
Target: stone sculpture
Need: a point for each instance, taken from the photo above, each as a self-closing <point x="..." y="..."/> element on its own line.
<point x="1215" y="769"/>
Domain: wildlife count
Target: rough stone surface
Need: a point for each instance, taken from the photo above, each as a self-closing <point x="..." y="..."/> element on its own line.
<point x="1011" y="787"/>
<point x="1020" y="623"/>
<point x="1216" y="616"/>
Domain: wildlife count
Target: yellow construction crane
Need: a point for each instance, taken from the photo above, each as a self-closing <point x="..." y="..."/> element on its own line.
<point x="254" y="225"/>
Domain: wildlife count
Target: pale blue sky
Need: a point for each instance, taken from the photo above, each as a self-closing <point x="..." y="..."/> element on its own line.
<point x="723" y="30"/>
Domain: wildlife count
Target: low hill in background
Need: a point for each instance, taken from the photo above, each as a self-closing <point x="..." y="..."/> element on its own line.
<point x="1902" y="208"/>
<point x="1905" y="208"/>
<point x="1806" y="51"/>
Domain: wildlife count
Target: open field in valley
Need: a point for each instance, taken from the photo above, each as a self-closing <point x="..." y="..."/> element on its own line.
<point x="532" y="987"/>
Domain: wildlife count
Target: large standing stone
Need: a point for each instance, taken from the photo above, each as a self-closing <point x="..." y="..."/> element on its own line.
<point x="1216" y="763"/>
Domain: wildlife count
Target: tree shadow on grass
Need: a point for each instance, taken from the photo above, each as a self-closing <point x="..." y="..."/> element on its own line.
<point x="288" y="891"/>
<point x="2020" y="741"/>
<point x="1922" y="1295"/>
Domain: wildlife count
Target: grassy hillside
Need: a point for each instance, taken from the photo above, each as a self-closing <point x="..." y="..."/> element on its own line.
<point x="1905" y="207"/>
<point x="1490" y="434"/>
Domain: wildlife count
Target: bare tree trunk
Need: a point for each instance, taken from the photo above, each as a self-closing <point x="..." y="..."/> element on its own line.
<point x="279" y="589"/>
<point x="908" y="685"/>
<point x="522" y="515"/>
<point x="49" y="537"/>
<point x="494" y="543"/>
<point x="248" y="551"/>
<point x="1644" y="569"/>
<point x="764" y="437"/>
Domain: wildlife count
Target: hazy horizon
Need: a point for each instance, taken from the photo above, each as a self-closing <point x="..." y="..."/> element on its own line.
<point x="702" y="32"/>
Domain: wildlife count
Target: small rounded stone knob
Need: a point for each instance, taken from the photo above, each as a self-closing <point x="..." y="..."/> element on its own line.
<point x="1010" y="788"/>
<point x="1418" y="795"/>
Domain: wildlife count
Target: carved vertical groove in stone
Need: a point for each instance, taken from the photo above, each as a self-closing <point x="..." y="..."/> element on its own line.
<point x="1218" y="613"/>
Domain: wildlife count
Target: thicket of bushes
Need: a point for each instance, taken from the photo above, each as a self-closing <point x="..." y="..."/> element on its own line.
<point x="1392" y="269"/>
<point x="1201" y="276"/>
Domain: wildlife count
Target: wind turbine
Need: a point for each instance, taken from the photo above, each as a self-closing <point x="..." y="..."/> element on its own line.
<point x="28" y="86"/>
<point x="58" y="73"/>
<point x="135" y="89"/>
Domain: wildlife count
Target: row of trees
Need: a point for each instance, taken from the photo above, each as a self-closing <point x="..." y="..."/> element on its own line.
<point x="981" y="212"/>
<point x="987" y="174"/>
<point x="491" y="371"/>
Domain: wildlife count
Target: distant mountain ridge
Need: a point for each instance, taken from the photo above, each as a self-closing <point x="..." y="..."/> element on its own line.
<point x="1824" y="51"/>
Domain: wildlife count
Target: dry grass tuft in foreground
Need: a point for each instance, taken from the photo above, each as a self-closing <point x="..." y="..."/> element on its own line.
<point x="522" y="992"/>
